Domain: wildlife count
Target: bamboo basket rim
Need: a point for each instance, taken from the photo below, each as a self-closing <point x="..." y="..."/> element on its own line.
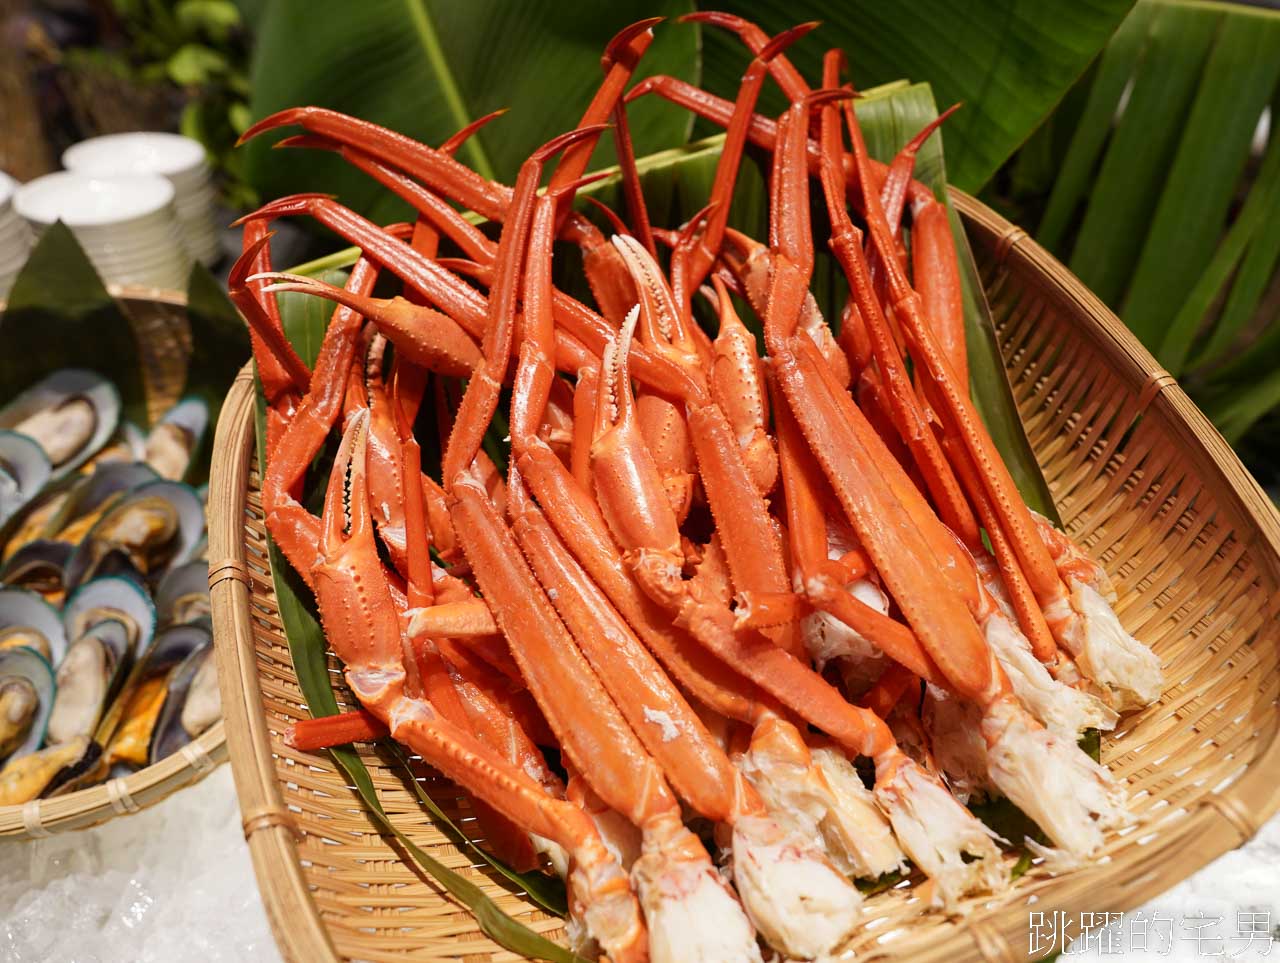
<point x="147" y="786"/>
<point x="1216" y="823"/>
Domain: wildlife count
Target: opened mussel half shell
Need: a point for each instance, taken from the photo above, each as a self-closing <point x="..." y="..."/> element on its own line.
<point x="28" y="620"/>
<point x="183" y="594"/>
<point x="114" y="597"/>
<point x="39" y="566"/>
<point x="52" y="771"/>
<point x="89" y="497"/>
<point x="24" y="471"/>
<point x="150" y="690"/>
<point x="151" y="529"/>
<point x="27" y="690"/>
<point x="175" y="437"/>
<point x="70" y="415"/>
<point x="88" y="679"/>
<point x="191" y="706"/>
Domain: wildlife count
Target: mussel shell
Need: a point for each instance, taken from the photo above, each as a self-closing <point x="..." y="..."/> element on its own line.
<point x="24" y="471"/>
<point x="50" y="771"/>
<point x="57" y="388"/>
<point x="193" y="685"/>
<point x="90" y="494"/>
<point x="183" y="594"/>
<point x="39" y="566"/>
<point x="189" y="514"/>
<point x="111" y="597"/>
<point x="88" y="679"/>
<point x="20" y="608"/>
<point x="30" y="665"/>
<point x="170" y="648"/>
<point x="190" y="417"/>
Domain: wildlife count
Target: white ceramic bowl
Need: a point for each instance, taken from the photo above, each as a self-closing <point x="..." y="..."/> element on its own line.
<point x="140" y="152"/>
<point x="126" y="224"/>
<point x="79" y="200"/>
<point x="180" y="159"/>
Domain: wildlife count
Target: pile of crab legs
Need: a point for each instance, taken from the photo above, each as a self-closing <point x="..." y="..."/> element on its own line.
<point x="711" y="578"/>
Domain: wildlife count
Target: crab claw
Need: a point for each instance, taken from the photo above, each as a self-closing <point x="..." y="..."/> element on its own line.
<point x="423" y="335"/>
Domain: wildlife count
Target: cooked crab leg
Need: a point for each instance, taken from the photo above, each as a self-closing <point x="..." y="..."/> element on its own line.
<point x="590" y="729"/>
<point x="1021" y="755"/>
<point x="456" y="299"/>
<point x="904" y="408"/>
<point x="363" y="628"/>
<point x="802" y="920"/>
<point x="704" y="246"/>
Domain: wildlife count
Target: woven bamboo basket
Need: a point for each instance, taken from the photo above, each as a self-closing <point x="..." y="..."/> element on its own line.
<point x="1141" y="479"/>
<point x="159" y="320"/>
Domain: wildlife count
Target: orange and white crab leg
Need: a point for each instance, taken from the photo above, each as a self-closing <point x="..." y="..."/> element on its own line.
<point x="362" y="625"/>
<point x="802" y="920"/>
<point x="1021" y="754"/>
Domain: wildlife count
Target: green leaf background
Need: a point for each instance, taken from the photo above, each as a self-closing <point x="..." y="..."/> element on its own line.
<point x="428" y="68"/>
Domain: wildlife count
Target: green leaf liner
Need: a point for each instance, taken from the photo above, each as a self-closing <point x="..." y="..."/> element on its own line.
<point x="219" y="342"/>
<point x="307" y="648"/>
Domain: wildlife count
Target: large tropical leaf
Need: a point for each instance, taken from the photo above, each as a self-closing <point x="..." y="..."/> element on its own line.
<point x="427" y="68"/>
<point x="1163" y="199"/>
<point x="1008" y="61"/>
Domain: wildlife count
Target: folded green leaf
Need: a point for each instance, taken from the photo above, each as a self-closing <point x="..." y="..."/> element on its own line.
<point x="60" y="315"/>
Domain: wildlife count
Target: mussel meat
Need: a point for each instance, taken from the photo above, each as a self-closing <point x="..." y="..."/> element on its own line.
<point x="172" y="441"/>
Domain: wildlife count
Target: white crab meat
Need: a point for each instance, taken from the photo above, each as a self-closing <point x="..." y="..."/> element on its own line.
<point x="836" y="815"/>
<point x="955" y="735"/>
<point x="1060" y="708"/>
<point x="692" y="916"/>
<point x="801" y="904"/>
<point x="938" y="834"/>
<point x="857" y="833"/>
<point x="1128" y="672"/>
<point x="1072" y="798"/>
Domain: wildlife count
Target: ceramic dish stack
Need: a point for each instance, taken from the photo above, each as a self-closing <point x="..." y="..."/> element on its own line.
<point x="126" y="224"/>
<point x="15" y="236"/>
<point x="180" y="159"/>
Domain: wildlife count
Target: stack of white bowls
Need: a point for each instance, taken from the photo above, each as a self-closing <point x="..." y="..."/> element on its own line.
<point x="126" y="225"/>
<point x="15" y="236"/>
<point x="180" y="159"/>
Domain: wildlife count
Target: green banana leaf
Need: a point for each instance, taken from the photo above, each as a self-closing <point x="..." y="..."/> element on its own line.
<point x="1153" y="186"/>
<point x="1009" y="62"/>
<point x="427" y="69"/>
